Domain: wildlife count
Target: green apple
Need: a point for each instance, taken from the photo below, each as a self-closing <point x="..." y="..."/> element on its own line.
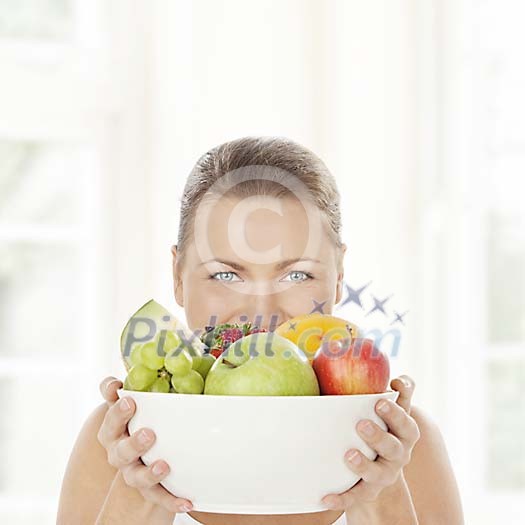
<point x="262" y="364"/>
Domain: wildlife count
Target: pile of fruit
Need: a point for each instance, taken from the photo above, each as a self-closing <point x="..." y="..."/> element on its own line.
<point x="312" y="354"/>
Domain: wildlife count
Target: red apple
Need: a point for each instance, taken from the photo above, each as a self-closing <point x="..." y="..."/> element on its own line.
<point x="351" y="367"/>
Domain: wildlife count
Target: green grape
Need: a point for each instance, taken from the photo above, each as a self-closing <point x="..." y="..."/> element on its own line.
<point x="161" y="384"/>
<point x="127" y="386"/>
<point x="141" y="377"/>
<point x="178" y="363"/>
<point x="135" y="355"/>
<point x="196" y="361"/>
<point x="191" y="383"/>
<point x="150" y="356"/>
<point x="171" y="341"/>
<point x="206" y="362"/>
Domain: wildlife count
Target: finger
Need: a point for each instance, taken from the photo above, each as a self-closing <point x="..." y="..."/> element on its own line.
<point x="339" y="501"/>
<point x="374" y="472"/>
<point x="405" y="386"/>
<point x="115" y="422"/>
<point x="387" y="445"/>
<point x="160" y="496"/>
<point x="400" y="424"/>
<point x="129" y="449"/>
<point x="364" y="491"/>
<point x="108" y="388"/>
<point x="137" y="475"/>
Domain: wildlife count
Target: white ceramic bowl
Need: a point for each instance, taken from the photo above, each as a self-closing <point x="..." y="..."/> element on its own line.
<point x="255" y="454"/>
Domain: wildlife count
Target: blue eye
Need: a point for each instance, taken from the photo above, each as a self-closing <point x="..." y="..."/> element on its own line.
<point x="224" y="276"/>
<point x="299" y="277"/>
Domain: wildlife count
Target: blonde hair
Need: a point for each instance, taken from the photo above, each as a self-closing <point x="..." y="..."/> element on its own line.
<point x="210" y="176"/>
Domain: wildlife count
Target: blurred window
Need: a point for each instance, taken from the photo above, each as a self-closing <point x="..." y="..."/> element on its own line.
<point x="480" y="199"/>
<point x="46" y="19"/>
<point x="50" y="179"/>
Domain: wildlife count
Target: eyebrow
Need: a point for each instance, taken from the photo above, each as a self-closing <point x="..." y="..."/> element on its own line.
<point x="278" y="266"/>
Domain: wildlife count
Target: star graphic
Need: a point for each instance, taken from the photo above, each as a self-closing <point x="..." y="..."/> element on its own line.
<point x="292" y="326"/>
<point x="318" y="307"/>
<point x="378" y="305"/>
<point x="399" y="317"/>
<point x="354" y="295"/>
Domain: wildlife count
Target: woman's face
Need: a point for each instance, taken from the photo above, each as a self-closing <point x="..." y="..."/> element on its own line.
<point x="259" y="259"/>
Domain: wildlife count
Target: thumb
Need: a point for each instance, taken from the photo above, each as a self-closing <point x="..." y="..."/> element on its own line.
<point x="108" y="389"/>
<point x="405" y="386"/>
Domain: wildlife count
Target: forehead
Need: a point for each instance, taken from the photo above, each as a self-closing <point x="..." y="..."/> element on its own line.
<point x="260" y="230"/>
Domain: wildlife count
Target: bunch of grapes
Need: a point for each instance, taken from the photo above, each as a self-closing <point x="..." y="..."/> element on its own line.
<point x="166" y="365"/>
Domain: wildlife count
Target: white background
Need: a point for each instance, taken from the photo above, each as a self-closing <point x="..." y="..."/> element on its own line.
<point x="415" y="106"/>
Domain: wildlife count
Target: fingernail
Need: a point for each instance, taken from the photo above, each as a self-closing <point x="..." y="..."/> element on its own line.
<point x="367" y="428"/>
<point x="143" y="437"/>
<point x="382" y="406"/>
<point x="125" y="405"/>
<point x="354" y="457"/>
<point x="186" y="507"/>
<point x="158" y="469"/>
<point x="406" y="382"/>
<point x="110" y="383"/>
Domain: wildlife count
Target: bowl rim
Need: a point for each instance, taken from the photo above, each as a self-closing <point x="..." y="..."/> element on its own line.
<point x="121" y="390"/>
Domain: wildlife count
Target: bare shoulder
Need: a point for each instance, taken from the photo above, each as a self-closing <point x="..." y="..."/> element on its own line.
<point x="430" y="475"/>
<point x="88" y="475"/>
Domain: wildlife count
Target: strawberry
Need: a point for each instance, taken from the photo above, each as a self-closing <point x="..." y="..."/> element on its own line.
<point x="218" y="338"/>
<point x="215" y="353"/>
<point x="257" y="330"/>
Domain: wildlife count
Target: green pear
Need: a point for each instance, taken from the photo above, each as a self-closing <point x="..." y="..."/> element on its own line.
<point x="262" y="364"/>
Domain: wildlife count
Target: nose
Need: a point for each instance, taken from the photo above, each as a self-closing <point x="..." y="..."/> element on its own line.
<point x="268" y="324"/>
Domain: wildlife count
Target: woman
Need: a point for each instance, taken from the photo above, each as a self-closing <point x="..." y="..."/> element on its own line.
<point x="259" y="240"/>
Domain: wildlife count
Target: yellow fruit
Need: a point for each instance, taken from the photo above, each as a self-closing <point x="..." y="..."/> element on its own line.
<point x="308" y="331"/>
